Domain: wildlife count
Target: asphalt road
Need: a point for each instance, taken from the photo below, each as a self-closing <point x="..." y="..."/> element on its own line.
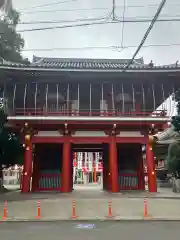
<point x="101" y="230"/>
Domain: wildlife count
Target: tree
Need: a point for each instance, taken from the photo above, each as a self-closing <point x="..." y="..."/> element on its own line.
<point x="173" y="158"/>
<point x="10" y="147"/>
<point x="11" y="42"/>
<point x="11" y="45"/>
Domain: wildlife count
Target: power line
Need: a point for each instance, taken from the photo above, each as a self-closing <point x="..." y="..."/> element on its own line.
<point x="149" y="20"/>
<point x="145" y="17"/>
<point x="65" y="10"/>
<point x="148" y="31"/>
<point x="75" y="48"/>
<point x="61" y="21"/>
<point x="96" y="23"/>
<point x="133" y="20"/>
<point x="105" y="17"/>
<point x="117" y="20"/>
<point x="120" y="6"/>
<point x="147" y="46"/>
<point x="137" y="19"/>
<point x="144" y="6"/>
<point x="123" y="24"/>
<point x="64" y="26"/>
<point x="48" y="4"/>
<point x="118" y="48"/>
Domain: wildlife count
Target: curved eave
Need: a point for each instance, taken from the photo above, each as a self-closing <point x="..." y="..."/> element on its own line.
<point x="118" y="70"/>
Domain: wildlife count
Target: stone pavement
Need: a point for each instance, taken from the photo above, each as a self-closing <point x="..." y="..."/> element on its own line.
<point x="91" y="205"/>
<point x="101" y="231"/>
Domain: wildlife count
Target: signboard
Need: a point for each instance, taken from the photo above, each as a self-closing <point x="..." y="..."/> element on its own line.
<point x="85" y="226"/>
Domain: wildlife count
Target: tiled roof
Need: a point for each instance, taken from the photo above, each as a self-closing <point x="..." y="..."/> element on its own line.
<point x="81" y="64"/>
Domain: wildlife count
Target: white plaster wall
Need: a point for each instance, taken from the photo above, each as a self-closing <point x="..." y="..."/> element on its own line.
<point x="130" y="134"/>
<point x="90" y="134"/>
<point x="48" y="134"/>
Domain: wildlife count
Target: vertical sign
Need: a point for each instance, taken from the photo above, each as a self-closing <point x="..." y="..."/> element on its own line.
<point x="90" y="160"/>
<point x="80" y="157"/>
<point x="96" y="160"/>
<point x="86" y="161"/>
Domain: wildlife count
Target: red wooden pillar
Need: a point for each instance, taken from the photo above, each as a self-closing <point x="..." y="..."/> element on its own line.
<point x="27" y="171"/>
<point x="152" y="185"/>
<point x="113" y="166"/>
<point x="66" y="167"/>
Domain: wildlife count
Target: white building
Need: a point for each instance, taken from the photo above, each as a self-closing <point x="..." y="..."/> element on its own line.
<point x="5" y="6"/>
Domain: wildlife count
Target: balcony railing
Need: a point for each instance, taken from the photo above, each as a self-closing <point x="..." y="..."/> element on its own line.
<point x="81" y="113"/>
<point x="50" y="182"/>
<point x="128" y="181"/>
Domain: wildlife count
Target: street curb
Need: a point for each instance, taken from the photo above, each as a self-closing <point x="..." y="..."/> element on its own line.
<point x="153" y="197"/>
<point x="145" y="219"/>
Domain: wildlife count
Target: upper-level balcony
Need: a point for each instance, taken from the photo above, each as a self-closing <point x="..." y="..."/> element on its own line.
<point x="89" y="99"/>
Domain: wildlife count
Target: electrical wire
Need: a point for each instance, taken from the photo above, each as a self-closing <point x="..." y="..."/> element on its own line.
<point x="66" y="26"/>
<point x="149" y="20"/>
<point x="75" y="48"/>
<point x="147" y="46"/>
<point x="123" y="24"/>
<point x="67" y="1"/>
<point x="96" y="23"/>
<point x="48" y="4"/>
<point x="64" y="10"/>
<point x="149" y="5"/>
<point x="117" y="48"/>
<point x="107" y="16"/>
<point x="125" y="20"/>
<point x="148" y="31"/>
<point x="61" y="21"/>
<point x="133" y="20"/>
<point x="146" y="17"/>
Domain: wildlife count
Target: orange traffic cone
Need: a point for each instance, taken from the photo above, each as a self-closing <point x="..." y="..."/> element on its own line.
<point x="74" y="216"/>
<point x="145" y="208"/>
<point x="109" y="209"/>
<point x="38" y="210"/>
<point x="5" y="211"/>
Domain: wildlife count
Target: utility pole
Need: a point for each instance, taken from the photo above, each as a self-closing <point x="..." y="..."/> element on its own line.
<point x="113" y="10"/>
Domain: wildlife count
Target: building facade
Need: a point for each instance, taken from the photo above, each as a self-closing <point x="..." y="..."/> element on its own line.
<point x="66" y="106"/>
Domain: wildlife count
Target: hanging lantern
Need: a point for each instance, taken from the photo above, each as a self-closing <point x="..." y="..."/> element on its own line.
<point x="27" y="137"/>
<point x="151" y="139"/>
<point x="27" y="140"/>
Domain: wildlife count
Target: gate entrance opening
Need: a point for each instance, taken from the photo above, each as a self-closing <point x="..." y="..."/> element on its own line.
<point x="88" y="166"/>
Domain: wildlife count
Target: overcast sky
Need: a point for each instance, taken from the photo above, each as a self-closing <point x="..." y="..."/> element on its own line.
<point x="100" y="35"/>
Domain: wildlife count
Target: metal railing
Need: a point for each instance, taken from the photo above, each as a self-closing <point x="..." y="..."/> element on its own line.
<point x="85" y="112"/>
<point x="128" y="181"/>
<point x="50" y="182"/>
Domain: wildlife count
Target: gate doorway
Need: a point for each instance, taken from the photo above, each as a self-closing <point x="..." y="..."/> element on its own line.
<point x="88" y="166"/>
<point x="47" y="167"/>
